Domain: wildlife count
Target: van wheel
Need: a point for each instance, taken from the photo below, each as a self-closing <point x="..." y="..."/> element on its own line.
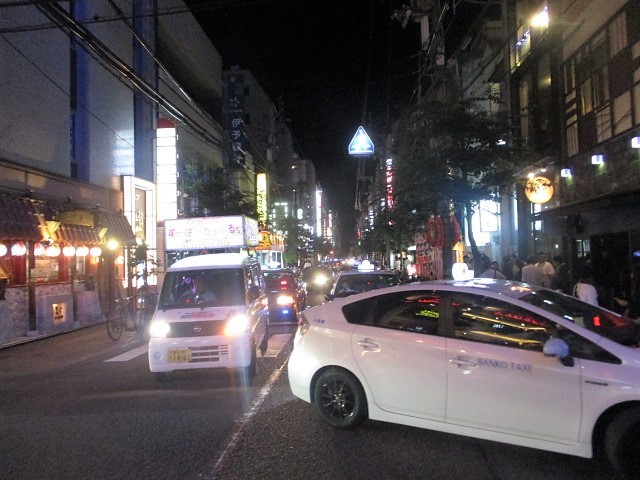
<point x="249" y="371"/>
<point x="265" y="342"/>
<point x="622" y="443"/>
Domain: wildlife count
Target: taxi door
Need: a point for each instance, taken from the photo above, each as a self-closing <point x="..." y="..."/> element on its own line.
<point x="498" y="377"/>
<point x="400" y="353"/>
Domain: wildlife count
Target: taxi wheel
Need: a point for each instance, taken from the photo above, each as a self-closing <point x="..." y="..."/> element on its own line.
<point x="622" y="443"/>
<point x="340" y="399"/>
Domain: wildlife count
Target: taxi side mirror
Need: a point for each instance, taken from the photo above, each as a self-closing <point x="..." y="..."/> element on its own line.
<point x="558" y="348"/>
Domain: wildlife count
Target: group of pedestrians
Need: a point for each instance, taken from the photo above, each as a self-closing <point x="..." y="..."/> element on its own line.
<point x="541" y="271"/>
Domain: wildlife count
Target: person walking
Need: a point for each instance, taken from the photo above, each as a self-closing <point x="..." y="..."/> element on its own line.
<point x="530" y="273"/>
<point x="562" y="277"/>
<point x="546" y="270"/>
<point x="585" y="290"/>
<point x="493" y="271"/>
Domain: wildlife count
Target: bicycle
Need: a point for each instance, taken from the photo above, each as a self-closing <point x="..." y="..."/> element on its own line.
<point x="145" y="306"/>
<point x="122" y="317"/>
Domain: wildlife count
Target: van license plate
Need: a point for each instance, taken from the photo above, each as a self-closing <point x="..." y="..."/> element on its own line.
<point x="182" y="355"/>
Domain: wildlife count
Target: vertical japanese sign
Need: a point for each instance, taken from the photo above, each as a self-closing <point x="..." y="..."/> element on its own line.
<point x="261" y="198"/>
<point x="234" y="113"/>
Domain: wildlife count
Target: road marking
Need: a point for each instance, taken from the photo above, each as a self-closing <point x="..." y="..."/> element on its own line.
<point x="243" y="422"/>
<point x="276" y="344"/>
<point x="130" y="355"/>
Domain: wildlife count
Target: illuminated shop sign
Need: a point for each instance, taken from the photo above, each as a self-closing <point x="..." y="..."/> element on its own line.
<point x="204" y="233"/>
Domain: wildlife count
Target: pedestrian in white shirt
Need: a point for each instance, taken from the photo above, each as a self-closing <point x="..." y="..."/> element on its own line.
<point x="530" y="273"/>
<point x="546" y="270"/>
<point x="585" y="290"/>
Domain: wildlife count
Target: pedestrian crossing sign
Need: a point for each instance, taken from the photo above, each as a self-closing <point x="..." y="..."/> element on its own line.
<point x="361" y="144"/>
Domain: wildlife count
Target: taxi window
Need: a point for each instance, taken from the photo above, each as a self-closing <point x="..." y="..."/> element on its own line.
<point x="483" y="319"/>
<point x="411" y="311"/>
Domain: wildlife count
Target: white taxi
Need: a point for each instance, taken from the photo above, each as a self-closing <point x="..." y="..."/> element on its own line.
<point x="491" y="359"/>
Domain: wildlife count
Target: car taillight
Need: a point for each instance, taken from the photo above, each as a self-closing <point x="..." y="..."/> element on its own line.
<point x="285" y="300"/>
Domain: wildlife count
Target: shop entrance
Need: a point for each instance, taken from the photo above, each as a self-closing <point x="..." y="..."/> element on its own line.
<point x="611" y="267"/>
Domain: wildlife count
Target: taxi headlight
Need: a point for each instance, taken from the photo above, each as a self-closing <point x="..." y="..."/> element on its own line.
<point x="237" y="324"/>
<point x="321" y="280"/>
<point x="159" y="329"/>
<point x="285" y="300"/>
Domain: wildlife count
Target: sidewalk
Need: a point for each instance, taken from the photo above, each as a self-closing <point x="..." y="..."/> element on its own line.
<point x="33" y="336"/>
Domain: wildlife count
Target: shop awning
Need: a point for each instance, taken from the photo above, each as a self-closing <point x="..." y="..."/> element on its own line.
<point x="77" y="235"/>
<point x="108" y="225"/>
<point x="615" y="200"/>
<point x="18" y="219"/>
<point x="118" y="228"/>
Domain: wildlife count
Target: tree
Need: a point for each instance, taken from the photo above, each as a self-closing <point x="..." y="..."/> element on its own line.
<point x="449" y="150"/>
<point x="214" y="196"/>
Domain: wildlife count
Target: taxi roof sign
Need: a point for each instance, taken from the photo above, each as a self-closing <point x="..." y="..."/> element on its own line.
<point x="361" y="144"/>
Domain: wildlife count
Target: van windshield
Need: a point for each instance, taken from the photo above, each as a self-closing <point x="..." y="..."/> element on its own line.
<point x="198" y="288"/>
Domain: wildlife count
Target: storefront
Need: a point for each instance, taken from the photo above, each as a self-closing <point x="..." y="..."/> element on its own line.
<point x="58" y="265"/>
<point x="604" y="233"/>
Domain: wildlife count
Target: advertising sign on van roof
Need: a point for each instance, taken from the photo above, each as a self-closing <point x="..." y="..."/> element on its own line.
<point x="208" y="233"/>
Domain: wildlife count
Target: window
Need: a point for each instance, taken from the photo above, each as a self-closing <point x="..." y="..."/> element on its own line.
<point x="603" y="124"/>
<point x="601" y="86"/>
<point x="412" y="311"/>
<point x="179" y="288"/>
<point x="482" y="319"/>
<point x="618" y="34"/>
<point x="572" y="140"/>
<point x="622" y="113"/>
<point x="586" y="97"/>
<point x="569" y="77"/>
<point x="636" y="104"/>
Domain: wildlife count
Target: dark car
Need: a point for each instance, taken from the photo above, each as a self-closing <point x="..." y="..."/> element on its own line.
<point x="350" y="282"/>
<point x="317" y="279"/>
<point x="286" y="293"/>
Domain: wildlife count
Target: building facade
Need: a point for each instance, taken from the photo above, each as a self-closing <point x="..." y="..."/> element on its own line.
<point x="569" y="73"/>
<point x="98" y="127"/>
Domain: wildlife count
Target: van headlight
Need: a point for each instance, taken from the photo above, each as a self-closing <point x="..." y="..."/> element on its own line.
<point x="159" y="329"/>
<point x="237" y="324"/>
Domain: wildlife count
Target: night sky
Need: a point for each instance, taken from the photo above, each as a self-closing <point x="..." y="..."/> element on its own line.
<point x="329" y="66"/>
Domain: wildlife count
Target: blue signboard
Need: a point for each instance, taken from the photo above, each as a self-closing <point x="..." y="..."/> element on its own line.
<point x="361" y="144"/>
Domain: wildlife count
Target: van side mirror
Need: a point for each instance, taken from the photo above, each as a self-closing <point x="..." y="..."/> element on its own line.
<point x="254" y="292"/>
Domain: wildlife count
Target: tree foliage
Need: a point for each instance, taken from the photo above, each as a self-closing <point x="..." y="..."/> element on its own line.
<point x="216" y="197"/>
<point x="451" y="151"/>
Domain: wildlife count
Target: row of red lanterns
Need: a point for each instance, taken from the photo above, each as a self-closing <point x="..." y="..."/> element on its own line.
<point x="19" y="249"/>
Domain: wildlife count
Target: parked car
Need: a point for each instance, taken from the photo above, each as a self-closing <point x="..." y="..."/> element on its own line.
<point x="490" y="359"/>
<point x="317" y="279"/>
<point x="350" y="282"/>
<point x="286" y="293"/>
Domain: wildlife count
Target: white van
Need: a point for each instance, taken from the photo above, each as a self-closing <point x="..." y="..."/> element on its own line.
<point x="212" y="313"/>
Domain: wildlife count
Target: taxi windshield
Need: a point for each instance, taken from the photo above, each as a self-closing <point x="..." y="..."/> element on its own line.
<point x="603" y="322"/>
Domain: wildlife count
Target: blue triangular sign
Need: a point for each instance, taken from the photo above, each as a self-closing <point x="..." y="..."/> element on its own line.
<point x="361" y="144"/>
